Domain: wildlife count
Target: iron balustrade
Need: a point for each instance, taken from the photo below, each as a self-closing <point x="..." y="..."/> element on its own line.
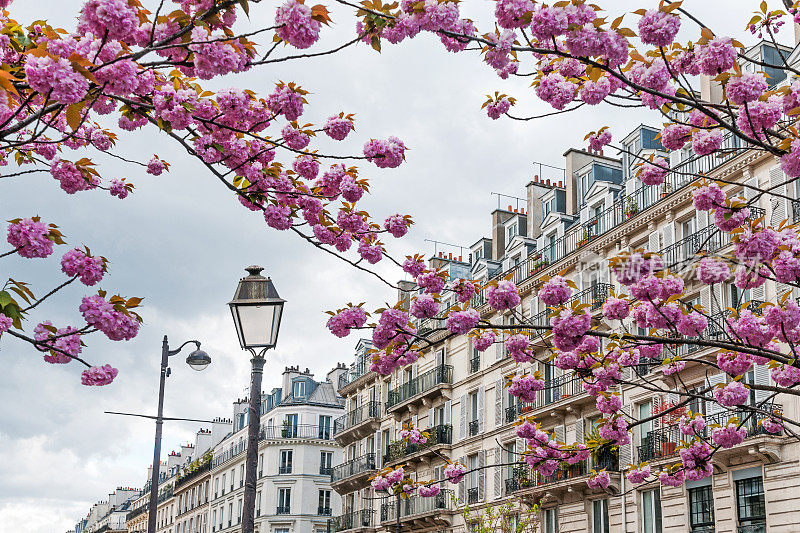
<point x="283" y="509"/>
<point x="475" y="364"/>
<point x="427" y="325"/>
<point x="555" y="390"/>
<point x="527" y="477"/>
<point x="353" y="520"/>
<point x="760" y="527"/>
<point x="136" y="512"/>
<point x="365" y="463"/>
<point x="663" y="442"/>
<point x="325" y="470"/>
<point x="366" y="411"/>
<point x="188" y="476"/>
<point x="607" y="461"/>
<point x="361" y="367"/>
<point x="795" y="211"/>
<point x="474" y="425"/>
<point x="441" y="434"/>
<point x="472" y="495"/>
<point x="593" y="295"/>
<point x="512" y="485"/>
<point x="324" y="511"/>
<point x="284" y="469"/>
<point x="442" y="374"/>
<point x="417" y="505"/>
<point x="296" y="431"/>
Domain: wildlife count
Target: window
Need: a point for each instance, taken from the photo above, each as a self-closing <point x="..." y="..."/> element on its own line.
<point x="230" y="514"/>
<point x="550" y="520"/>
<point x="221" y="516"/>
<point x="290" y="426"/>
<point x="750" y="504"/>
<point x="241" y="476"/>
<point x="239" y="519"/>
<point x="324" y="503"/>
<point x="299" y="389"/>
<point x="325" y="463"/>
<point x="651" y="511"/>
<point x="284" y="501"/>
<point x="512" y="231"/>
<point x="645" y="410"/>
<point x="473" y="413"/>
<point x="701" y="508"/>
<point x="286" y="462"/>
<point x="260" y="464"/>
<point x="472" y="491"/>
<point x="282" y="530"/>
<point x="233" y="478"/>
<point x="258" y="503"/>
<point x="600" y="516"/>
<point x="324" y="427"/>
<point x="223" y="484"/>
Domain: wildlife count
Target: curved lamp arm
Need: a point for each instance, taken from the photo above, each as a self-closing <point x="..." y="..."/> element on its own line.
<point x="179" y="348"/>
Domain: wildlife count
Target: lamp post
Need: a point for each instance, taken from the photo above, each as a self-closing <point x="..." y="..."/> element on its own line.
<point x="198" y="360"/>
<point x="257" y="310"/>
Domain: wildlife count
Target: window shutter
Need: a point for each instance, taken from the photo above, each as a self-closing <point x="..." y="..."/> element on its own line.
<point x="702" y="220"/>
<point x="498" y="473"/>
<point x="462" y="485"/>
<point x="653" y="242"/>
<point x="656" y="408"/>
<point x="415" y="421"/>
<point x="498" y="403"/>
<point x="748" y="192"/>
<point x="718" y="303"/>
<point x="462" y="430"/>
<point x="579" y="431"/>
<point x="761" y="376"/>
<point x="712" y="407"/>
<point x="431" y="418"/>
<point x="560" y="433"/>
<point x="779" y="208"/>
<point x="668" y="234"/>
<point x="448" y="406"/>
<point x="481" y="475"/>
<point x="781" y="289"/>
<point x="758" y="293"/>
<point x="378" y="450"/>
<point x="481" y="399"/>
<point x="498" y="348"/>
<point x="625" y="451"/>
<point x="705" y="299"/>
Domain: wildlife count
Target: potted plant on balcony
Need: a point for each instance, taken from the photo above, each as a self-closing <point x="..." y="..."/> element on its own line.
<point x="666" y="190"/>
<point x="630" y="208"/>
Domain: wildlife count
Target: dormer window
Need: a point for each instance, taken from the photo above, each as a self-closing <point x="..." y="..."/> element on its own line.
<point x="299" y="389"/>
<point x="512" y="231"/>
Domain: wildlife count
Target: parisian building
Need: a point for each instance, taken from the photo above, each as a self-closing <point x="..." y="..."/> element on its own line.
<point x="572" y="217"/>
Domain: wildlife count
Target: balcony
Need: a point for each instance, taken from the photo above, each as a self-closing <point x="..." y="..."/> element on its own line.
<point x="285" y="469"/>
<point x="324" y="511"/>
<point x="357" y="371"/>
<point x="663" y="442"/>
<point x="531" y="482"/>
<point x="512" y="485"/>
<point x="474" y="426"/>
<point x="296" y="431"/>
<point x="472" y="495"/>
<point x="355" y="520"/>
<point x="475" y="364"/>
<point x="357" y="424"/>
<point x="758" y="527"/>
<point x="418" y="513"/>
<point x="438" y="437"/>
<point x="283" y="509"/>
<point x="325" y="470"/>
<point x="423" y="386"/>
<point x="353" y="473"/>
<point x="559" y="389"/>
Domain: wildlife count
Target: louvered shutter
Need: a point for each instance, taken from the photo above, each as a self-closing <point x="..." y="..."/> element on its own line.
<point x="625" y="451"/>
<point x="702" y="220"/>
<point x="781" y="289"/>
<point x="462" y="430"/>
<point x="498" y="473"/>
<point x="498" y="403"/>
<point x="431" y="418"/>
<point x="653" y="243"/>
<point x="779" y="205"/>
<point x="718" y="303"/>
<point x="668" y="234"/>
<point x="481" y="399"/>
<point x="579" y="431"/>
<point x="758" y="293"/>
<point x="438" y="474"/>
<point x="656" y="408"/>
<point x="462" y="485"/>
<point x="498" y="348"/>
<point x="560" y="433"/>
<point x="761" y="376"/>
<point x="520" y="446"/>
<point x="448" y="407"/>
<point x="705" y="299"/>
<point x="378" y="450"/>
<point x="481" y="475"/>
<point x="712" y="407"/>
<point x="749" y="192"/>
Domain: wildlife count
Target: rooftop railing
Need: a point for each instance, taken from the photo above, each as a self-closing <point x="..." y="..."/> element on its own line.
<point x="359" y="465"/>
<point x="422" y="383"/>
<point x="296" y="431"/>
<point x="356" y="416"/>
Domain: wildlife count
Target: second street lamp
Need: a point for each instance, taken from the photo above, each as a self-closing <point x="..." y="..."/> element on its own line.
<point x="257" y="310"/>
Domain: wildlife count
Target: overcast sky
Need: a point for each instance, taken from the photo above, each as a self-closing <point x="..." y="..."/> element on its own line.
<point x="181" y="242"/>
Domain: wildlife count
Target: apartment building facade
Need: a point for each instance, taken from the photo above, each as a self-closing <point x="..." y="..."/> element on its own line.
<point x="296" y="455"/>
<point x="595" y="210"/>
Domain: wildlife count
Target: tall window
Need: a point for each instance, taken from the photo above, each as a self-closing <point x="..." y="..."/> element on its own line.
<point x="241" y="476"/>
<point x="701" y="508"/>
<point x="230" y="514"/>
<point x="750" y="505"/>
<point x="472" y="491"/>
<point x="260" y="464"/>
<point x="600" y="516"/>
<point x="213" y="520"/>
<point x="550" y="520"/>
<point x="512" y="231"/>
<point x="324" y="427"/>
<point x="324" y="503"/>
<point x="239" y="515"/>
<point x="645" y="410"/>
<point x="286" y="462"/>
<point x="290" y="426"/>
<point x="216" y="486"/>
<point x="651" y="511"/>
<point x="258" y="503"/>
<point x="325" y="462"/>
<point x="284" y="501"/>
<point x="473" y="413"/>
<point x="299" y="389"/>
<point x="223" y="484"/>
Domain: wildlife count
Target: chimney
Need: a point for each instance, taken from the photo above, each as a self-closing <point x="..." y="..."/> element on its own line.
<point x="710" y="90"/>
<point x="333" y="376"/>
<point x="220" y="427"/>
<point x="404" y="290"/>
<point x="290" y="373"/>
<point x="202" y="442"/>
<point x="499" y="217"/>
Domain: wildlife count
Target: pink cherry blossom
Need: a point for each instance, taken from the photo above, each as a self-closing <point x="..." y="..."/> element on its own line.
<point x="98" y="375"/>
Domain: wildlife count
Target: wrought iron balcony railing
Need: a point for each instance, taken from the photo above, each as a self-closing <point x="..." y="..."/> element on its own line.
<point x="417" y="505"/>
<point x="365" y="463"/>
<point x="475" y="364"/>
<point x="296" y="431"/>
<point x="474" y="425"/>
<point x="555" y="390"/>
<point x="442" y="374"/>
<point x="441" y="434"/>
<point x="353" y="520"/>
<point x="358" y="415"/>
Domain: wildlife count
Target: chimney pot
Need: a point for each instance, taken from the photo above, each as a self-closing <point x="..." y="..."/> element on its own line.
<point x="548" y="181"/>
<point x="450" y="256"/>
<point x="560" y="184"/>
<point x="459" y="258"/>
<point x="509" y="207"/>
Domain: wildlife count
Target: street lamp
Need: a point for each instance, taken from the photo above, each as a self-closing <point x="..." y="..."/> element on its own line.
<point x="198" y="360"/>
<point x="257" y="310"/>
